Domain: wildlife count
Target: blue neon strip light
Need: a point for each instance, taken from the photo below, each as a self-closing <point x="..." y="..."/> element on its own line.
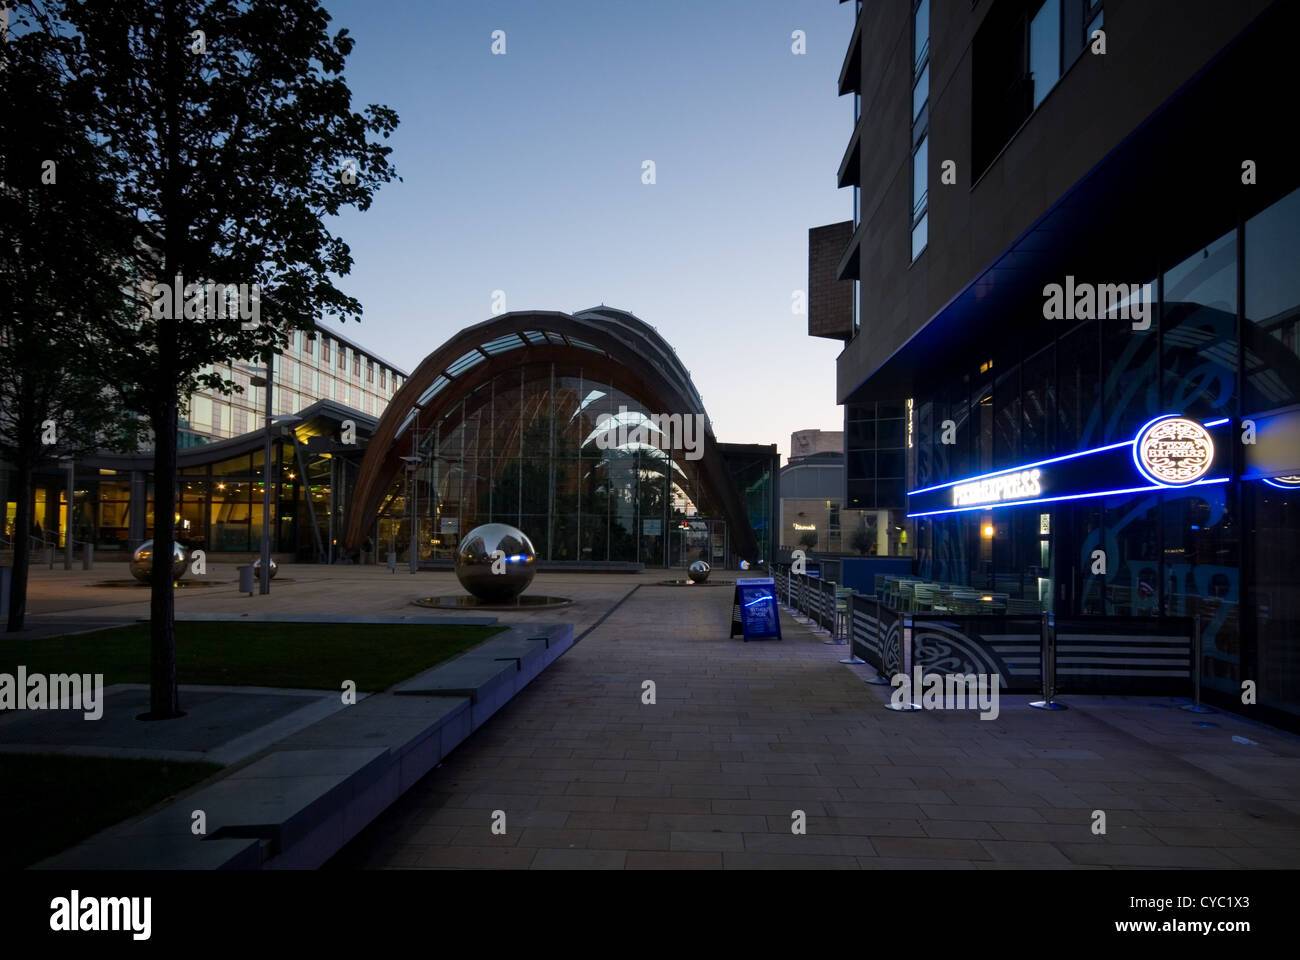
<point x="998" y="473"/>
<point x="1073" y="496"/>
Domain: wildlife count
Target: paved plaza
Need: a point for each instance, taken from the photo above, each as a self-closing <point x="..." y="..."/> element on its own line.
<point x="741" y="736"/>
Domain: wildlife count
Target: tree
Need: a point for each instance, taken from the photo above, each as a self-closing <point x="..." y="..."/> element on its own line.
<point x="808" y="539"/>
<point x="60" y="276"/>
<point x="862" y="538"/>
<point x="232" y="135"/>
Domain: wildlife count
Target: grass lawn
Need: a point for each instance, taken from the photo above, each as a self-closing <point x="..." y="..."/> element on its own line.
<point x="50" y="802"/>
<point x="311" y="656"/>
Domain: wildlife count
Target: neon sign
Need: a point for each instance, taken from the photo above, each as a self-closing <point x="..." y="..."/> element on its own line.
<point x="1168" y="452"/>
<point x="1173" y="451"/>
<point x="1009" y="486"/>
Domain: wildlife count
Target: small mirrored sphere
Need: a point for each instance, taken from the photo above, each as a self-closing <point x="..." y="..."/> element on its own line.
<point x="496" y="562"/>
<point x="257" y="568"/>
<point x="699" y="571"/>
<point x="142" y="561"/>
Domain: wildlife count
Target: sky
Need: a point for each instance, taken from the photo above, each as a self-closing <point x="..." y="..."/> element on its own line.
<point x="522" y="173"/>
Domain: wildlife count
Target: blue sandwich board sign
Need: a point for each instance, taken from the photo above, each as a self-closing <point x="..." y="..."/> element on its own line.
<point x="754" y="612"/>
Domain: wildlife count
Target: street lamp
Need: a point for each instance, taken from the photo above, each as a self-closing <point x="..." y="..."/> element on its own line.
<point x="263" y="377"/>
<point x="67" y="526"/>
<point x="411" y="464"/>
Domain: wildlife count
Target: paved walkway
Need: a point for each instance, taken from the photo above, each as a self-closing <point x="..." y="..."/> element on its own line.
<point x="743" y="735"/>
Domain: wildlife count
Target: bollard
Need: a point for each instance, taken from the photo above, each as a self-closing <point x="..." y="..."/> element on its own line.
<point x="246" y="579"/>
<point x="1048" y="663"/>
<point x="88" y="556"/>
<point x="49" y="556"/>
<point x="905" y="668"/>
<point x="392" y="561"/>
<point x="1196" y="706"/>
<point x="880" y="679"/>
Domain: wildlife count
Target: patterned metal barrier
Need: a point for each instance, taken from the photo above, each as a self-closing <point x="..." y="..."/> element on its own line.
<point x="1110" y="655"/>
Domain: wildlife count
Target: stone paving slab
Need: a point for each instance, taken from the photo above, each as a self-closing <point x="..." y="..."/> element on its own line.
<point x="743" y="735"/>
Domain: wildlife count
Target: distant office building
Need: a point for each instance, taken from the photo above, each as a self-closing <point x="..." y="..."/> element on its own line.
<point x="1072" y="352"/>
<point x="317" y="365"/>
<point x="813" y="516"/>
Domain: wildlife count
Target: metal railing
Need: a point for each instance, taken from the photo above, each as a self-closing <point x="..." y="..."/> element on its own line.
<point x="1029" y="652"/>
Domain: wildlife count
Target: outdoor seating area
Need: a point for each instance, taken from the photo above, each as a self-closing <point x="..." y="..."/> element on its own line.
<point x="917" y="595"/>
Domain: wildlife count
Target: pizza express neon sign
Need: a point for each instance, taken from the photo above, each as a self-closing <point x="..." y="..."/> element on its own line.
<point x="1009" y="486"/>
<point x="1168" y="452"/>
<point x="1173" y="451"/>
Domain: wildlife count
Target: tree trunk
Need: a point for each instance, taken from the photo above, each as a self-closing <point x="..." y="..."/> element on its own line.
<point x="22" y="547"/>
<point x="164" y="701"/>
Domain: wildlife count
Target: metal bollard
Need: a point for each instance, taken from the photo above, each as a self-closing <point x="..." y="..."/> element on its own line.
<point x="246" y="579"/>
<point x="1196" y="706"/>
<point x="392" y="561"/>
<point x="88" y="556"/>
<point x="1048" y="663"/>
<point x="905" y="668"/>
<point x="49" y="557"/>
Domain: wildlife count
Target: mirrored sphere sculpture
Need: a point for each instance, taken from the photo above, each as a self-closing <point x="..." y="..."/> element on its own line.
<point x="699" y="571"/>
<point x="142" y="561"/>
<point x="257" y="568"/>
<point x="499" y="578"/>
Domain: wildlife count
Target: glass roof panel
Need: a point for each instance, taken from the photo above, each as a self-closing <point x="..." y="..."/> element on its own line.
<point x="433" y="390"/>
<point x="502" y="344"/>
<point x="465" y="362"/>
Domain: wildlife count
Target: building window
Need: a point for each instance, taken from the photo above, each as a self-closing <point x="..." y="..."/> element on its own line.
<point x="920" y="126"/>
<point x="325" y="350"/>
<point x="356" y="364"/>
<point x="1021" y="51"/>
<point x="309" y="344"/>
<point x="370" y="373"/>
<point x="1045" y="50"/>
<point x="383" y="378"/>
<point x="343" y="358"/>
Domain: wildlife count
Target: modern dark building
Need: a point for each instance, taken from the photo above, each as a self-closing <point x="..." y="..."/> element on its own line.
<point x="1072" y="356"/>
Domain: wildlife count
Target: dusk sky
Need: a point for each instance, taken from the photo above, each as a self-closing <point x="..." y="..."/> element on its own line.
<point x="523" y="173"/>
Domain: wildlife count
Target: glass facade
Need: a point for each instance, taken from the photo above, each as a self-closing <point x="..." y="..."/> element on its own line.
<point x="527" y="448"/>
<point x="1225" y="554"/>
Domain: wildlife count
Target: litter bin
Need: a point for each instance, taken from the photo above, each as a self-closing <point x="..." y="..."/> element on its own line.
<point x="246" y="579"/>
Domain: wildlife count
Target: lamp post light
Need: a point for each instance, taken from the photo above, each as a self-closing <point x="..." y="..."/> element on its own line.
<point x="411" y="464"/>
<point x="263" y="377"/>
<point x="67" y="526"/>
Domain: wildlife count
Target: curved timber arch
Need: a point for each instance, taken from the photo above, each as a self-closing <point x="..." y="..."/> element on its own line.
<point x="612" y="344"/>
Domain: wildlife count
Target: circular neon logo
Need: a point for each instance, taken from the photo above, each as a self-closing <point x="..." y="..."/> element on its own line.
<point x="1283" y="483"/>
<point x="1174" y="451"/>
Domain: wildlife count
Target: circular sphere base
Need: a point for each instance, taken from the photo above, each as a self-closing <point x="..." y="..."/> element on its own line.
<point x="461" y="602"/>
